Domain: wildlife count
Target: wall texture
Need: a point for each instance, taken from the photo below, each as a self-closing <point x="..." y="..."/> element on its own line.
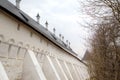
<point x="16" y="38"/>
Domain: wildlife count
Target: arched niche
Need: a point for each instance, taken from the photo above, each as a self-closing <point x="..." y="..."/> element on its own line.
<point x="11" y="41"/>
<point x="20" y="44"/>
<point x="38" y="50"/>
<point x="33" y="48"/>
<point x="2" y="37"/>
<point x="27" y="46"/>
<point x="42" y="51"/>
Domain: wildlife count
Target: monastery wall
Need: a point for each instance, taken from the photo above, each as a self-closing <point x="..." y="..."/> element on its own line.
<point x="16" y="38"/>
<point x="15" y="32"/>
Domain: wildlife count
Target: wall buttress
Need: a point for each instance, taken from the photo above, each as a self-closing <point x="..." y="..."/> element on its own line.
<point x="61" y="68"/>
<point x="53" y="67"/>
<point x="68" y="70"/>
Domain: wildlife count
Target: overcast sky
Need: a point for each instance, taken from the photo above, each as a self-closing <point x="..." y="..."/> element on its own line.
<point x="64" y="15"/>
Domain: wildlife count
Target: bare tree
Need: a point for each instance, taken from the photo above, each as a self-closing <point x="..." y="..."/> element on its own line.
<point x="104" y="64"/>
<point x="105" y="43"/>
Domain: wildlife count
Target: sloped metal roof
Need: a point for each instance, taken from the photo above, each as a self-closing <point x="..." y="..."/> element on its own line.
<point x="23" y="17"/>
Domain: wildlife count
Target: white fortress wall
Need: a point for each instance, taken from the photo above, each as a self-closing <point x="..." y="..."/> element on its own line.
<point x="16" y="38"/>
<point x="23" y="37"/>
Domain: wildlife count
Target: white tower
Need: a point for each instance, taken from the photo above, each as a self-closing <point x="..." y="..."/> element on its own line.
<point x="18" y="3"/>
<point x="46" y="24"/>
<point x="38" y="17"/>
